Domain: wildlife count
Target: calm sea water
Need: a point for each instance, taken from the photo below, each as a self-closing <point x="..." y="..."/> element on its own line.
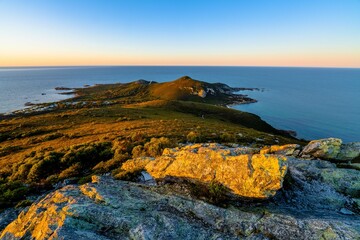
<point x="315" y="102"/>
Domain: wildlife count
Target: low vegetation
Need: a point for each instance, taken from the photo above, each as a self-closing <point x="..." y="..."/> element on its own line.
<point x="75" y="141"/>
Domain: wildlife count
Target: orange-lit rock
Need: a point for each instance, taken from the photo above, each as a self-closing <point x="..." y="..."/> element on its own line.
<point x="288" y="149"/>
<point x="247" y="175"/>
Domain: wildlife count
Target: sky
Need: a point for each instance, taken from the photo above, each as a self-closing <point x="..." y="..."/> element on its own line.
<point x="314" y="33"/>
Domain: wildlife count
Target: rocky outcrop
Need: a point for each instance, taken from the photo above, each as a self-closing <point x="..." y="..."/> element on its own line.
<point x="317" y="200"/>
<point x="246" y="175"/>
<point x="327" y="148"/>
<point x="345" y="155"/>
<point x="287" y="150"/>
<point x="7" y="216"/>
<point x="110" y="209"/>
<point x="317" y="185"/>
<point x="349" y="151"/>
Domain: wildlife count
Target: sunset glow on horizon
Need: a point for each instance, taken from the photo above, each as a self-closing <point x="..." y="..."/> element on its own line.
<point x="200" y="33"/>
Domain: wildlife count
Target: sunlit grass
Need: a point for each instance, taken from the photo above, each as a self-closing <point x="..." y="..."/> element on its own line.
<point x="37" y="149"/>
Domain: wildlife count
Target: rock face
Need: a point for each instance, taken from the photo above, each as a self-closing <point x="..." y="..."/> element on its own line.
<point x="332" y="148"/>
<point x="349" y="151"/>
<point x="327" y="148"/>
<point x="318" y="185"/>
<point x="7" y="216"/>
<point x="287" y="150"/>
<point x="110" y="209"/>
<point x="246" y="175"/>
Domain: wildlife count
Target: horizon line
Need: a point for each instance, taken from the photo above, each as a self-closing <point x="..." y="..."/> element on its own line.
<point x="145" y="65"/>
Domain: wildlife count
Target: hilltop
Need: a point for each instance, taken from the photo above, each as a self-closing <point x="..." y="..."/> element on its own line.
<point x="182" y="89"/>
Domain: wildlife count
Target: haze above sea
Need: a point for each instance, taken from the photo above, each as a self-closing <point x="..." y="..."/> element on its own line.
<point x="314" y="102"/>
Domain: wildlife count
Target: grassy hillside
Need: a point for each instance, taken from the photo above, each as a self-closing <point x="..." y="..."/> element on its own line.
<point x="184" y="88"/>
<point x="74" y="141"/>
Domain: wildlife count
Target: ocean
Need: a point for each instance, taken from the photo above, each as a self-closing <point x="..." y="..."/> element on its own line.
<point x="314" y="102"/>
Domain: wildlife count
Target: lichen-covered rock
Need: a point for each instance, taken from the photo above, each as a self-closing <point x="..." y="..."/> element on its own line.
<point x="327" y="148"/>
<point x="346" y="181"/>
<point x="109" y="209"/>
<point x="7" y="216"/>
<point x="319" y="184"/>
<point x="254" y="176"/>
<point x="287" y="150"/>
<point x="350" y="165"/>
<point x="349" y="151"/>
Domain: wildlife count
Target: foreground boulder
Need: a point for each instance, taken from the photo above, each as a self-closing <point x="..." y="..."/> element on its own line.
<point x="110" y="209"/>
<point x="246" y="175"/>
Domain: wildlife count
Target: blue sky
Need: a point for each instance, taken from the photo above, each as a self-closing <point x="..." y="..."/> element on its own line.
<point x="144" y="32"/>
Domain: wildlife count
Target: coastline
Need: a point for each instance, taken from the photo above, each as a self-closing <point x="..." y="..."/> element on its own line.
<point x="72" y="93"/>
<point x="234" y="99"/>
<point x="291" y="99"/>
<point x="39" y="107"/>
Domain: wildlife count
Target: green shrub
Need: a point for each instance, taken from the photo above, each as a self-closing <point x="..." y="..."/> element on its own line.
<point x="52" y="179"/>
<point x="45" y="167"/>
<point x="213" y="192"/>
<point x="12" y="192"/>
<point x="217" y="192"/>
<point x="106" y="166"/>
<point x="153" y="148"/>
<point x="138" y="151"/>
<point x="8" y="150"/>
<point x="23" y="203"/>
<point x="53" y="136"/>
<point x="193" y="137"/>
<point x="21" y="172"/>
<point x="33" y="132"/>
<point x="121" y="147"/>
<point x="137" y="137"/>
<point x="84" y="180"/>
<point x="131" y="176"/>
<point x="88" y="154"/>
<point x="156" y="146"/>
<point x="72" y="171"/>
<point x="227" y="138"/>
<point x="4" y="136"/>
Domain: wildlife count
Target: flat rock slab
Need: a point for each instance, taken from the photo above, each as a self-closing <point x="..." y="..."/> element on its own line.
<point x="110" y="209"/>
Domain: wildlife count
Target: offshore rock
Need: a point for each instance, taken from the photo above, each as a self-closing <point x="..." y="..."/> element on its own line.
<point x="246" y="175"/>
<point x="110" y="209"/>
<point x="327" y="148"/>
